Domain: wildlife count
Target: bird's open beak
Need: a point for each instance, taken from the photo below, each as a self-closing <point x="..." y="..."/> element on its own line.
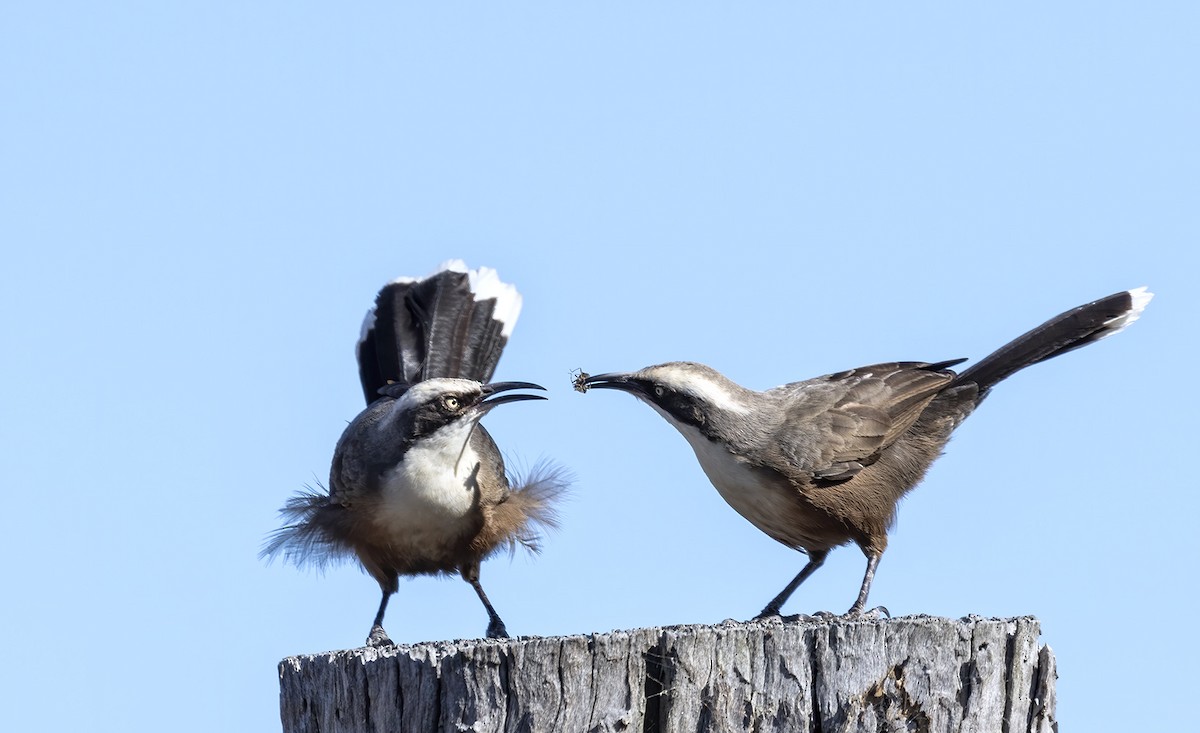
<point x="497" y="387"/>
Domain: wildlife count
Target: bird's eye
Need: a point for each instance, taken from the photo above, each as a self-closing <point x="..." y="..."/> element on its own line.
<point x="659" y="390"/>
<point x="450" y="402"/>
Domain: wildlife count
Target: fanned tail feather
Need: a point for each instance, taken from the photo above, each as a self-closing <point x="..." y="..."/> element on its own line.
<point x="453" y="323"/>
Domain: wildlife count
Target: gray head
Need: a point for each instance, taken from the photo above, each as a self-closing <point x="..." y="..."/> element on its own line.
<point x="432" y="404"/>
<point x="684" y="392"/>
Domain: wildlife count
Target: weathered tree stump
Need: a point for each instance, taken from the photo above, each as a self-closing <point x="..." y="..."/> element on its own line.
<point x="799" y="674"/>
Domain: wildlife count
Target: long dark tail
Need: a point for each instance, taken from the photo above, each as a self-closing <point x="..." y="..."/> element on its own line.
<point x="453" y="323"/>
<point x="1065" y="332"/>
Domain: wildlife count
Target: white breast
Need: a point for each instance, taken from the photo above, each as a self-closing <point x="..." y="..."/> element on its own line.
<point x="430" y="498"/>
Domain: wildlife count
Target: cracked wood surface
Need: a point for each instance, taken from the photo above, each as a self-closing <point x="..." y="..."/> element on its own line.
<point x="915" y="673"/>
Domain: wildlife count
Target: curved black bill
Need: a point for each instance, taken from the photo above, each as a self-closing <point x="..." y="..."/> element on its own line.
<point x="612" y="380"/>
<point x="497" y="387"/>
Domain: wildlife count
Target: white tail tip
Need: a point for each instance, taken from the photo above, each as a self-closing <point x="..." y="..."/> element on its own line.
<point x="1139" y="298"/>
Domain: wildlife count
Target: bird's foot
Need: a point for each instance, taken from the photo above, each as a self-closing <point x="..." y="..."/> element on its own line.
<point x="875" y="614"/>
<point x="766" y="613"/>
<point x="770" y="618"/>
<point x="496" y="630"/>
<point x="378" y="638"/>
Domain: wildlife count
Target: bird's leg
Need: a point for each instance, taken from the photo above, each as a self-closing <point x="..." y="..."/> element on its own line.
<point x="378" y="637"/>
<point x="495" y="629"/>
<point x="872" y="563"/>
<point x="816" y="558"/>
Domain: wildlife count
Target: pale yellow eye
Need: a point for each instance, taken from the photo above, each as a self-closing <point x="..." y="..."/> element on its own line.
<point x="450" y="402"/>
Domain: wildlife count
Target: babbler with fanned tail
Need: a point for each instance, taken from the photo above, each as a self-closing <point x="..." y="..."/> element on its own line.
<point x="417" y="485"/>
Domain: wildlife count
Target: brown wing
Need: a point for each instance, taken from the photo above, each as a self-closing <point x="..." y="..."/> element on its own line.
<point x="838" y="424"/>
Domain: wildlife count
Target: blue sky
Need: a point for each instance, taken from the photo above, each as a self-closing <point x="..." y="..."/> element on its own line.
<point x="198" y="202"/>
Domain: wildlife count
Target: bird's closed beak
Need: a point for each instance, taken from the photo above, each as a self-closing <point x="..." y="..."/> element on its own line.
<point x="497" y="387"/>
<point x="613" y="380"/>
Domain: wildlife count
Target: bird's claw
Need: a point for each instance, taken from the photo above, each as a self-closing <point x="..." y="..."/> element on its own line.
<point x="768" y="612"/>
<point x="875" y="614"/>
<point x="378" y="638"/>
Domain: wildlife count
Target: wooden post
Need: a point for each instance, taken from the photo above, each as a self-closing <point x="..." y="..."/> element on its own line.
<point x="915" y="673"/>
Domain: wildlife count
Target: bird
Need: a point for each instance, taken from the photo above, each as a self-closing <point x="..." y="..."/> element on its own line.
<point x="416" y="485"/>
<point x="821" y="463"/>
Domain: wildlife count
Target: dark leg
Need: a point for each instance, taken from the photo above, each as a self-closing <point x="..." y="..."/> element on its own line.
<point x="872" y="563"/>
<point x="816" y="558"/>
<point x="379" y="637"/>
<point x="495" y="629"/>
